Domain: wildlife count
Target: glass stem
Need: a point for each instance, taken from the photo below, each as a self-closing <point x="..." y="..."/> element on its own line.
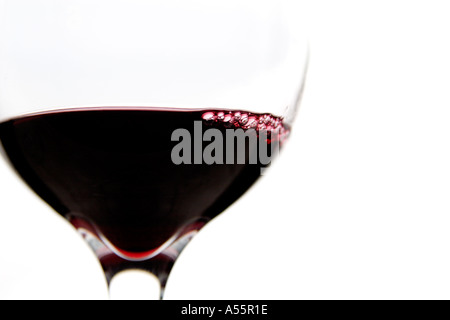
<point x="135" y="285"/>
<point x="126" y="278"/>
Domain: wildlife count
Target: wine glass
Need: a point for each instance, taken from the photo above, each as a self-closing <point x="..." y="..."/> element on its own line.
<point x="141" y="121"/>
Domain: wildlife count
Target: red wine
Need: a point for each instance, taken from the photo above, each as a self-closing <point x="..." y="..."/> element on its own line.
<point x="113" y="169"/>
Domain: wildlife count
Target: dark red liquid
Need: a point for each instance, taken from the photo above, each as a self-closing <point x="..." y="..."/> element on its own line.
<point x="112" y="168"/>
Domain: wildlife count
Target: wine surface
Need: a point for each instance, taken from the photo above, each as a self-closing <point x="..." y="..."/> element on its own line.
<point x="114" y="169"/>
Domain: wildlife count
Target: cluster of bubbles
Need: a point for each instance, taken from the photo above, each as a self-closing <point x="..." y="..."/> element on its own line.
<point x="246" y="121"/>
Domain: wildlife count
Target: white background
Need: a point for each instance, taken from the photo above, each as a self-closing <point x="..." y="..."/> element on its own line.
<point x="356" y="208"/>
